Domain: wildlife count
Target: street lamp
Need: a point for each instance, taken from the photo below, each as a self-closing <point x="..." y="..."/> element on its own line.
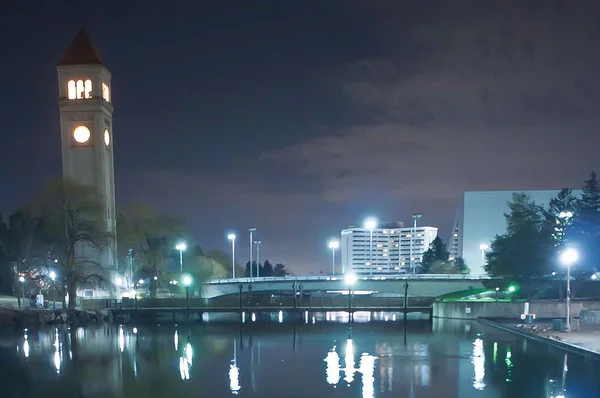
<point x="181" y="247"/>
<point x="22" y="280"/>
<point x="370" y="224"/>
<point x="257" y="243"/>
<point x="415" y="217"/>
<point x="568" y="257"/>
<point x="483" y="247"/>
<point x="231" y="237"/>
<point x="333" y="245"/>
<point x="251" y="230"/>
<point x="187" y="282"/>
<point x="52" y="276"/>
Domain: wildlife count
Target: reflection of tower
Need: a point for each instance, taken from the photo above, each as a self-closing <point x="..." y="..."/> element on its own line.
<point x="84" y="91"/>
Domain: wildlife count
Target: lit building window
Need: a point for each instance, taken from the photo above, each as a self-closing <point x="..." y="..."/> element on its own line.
<point x="392" y="231"/>
<point x="88" y="88"/>
<point x="402" y="263"/>
<point x="81" y="134"/>
<point x="450" y="258"/>
<point x="408" y="235"/>
<point x="385" y="231"/>
<point x="105" y="92"/>
<point x="419" y="234"/>
<point x="455" y="235"/>
<point x="379" y="245"/>
<point x="71" y="89"/>
<point x="80" y="89"/>
<point x="384" y="254"/>
<point x="396" y="245"/>
<point x="397" y="268"/>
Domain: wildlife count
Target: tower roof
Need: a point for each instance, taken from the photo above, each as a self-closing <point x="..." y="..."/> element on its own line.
<point x="81" y="52"/>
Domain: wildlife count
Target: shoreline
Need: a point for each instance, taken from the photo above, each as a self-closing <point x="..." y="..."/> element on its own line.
<point x="570" y="346"/>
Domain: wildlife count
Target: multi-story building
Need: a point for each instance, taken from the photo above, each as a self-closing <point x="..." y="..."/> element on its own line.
<point x="386" y="249"/>
<point x="454" y="241"/>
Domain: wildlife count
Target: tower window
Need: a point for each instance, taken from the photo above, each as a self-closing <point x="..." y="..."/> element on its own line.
<point x="81" y="134"/>
<point x="71" y="89"/>
<point x="105" y="92"/>
<point x="80" y="89"/>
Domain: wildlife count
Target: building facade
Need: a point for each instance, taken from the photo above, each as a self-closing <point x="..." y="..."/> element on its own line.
<point x="384" y="250"/>
<point x="84" y="99"/>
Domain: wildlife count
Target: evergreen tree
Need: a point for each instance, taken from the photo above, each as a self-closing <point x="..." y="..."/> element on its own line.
<point x="279" y="270"/>
<point x="525" y="249"/>
<point x="267" y="269"/>
<point x="559" y="216"/>
<point x="588" y="207"/>
<point x="437" y="252"/>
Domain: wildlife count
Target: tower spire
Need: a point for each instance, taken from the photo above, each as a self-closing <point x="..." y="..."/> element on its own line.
<point x="80" y="52"/>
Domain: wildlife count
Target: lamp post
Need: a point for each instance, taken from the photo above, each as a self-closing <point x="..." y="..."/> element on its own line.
<point x="251" y="230"/>
<point x="370" y="224"/>
<point x="52" y="276"/>
<point x="187" y="282"/>
<point x="568" y="257"/>
<point x="130" y="257"/>
<point x="181" y="247"/>
<point x="257" y="243"/>
<point x="415" y="217"/>
<point x="22" y="280"/>
<point x="231" y="237"/>
<point x="333" y="245"/>
<point x="483" y="247"/>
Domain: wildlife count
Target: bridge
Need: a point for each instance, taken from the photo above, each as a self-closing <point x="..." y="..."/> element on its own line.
<point x="425" y="285"/>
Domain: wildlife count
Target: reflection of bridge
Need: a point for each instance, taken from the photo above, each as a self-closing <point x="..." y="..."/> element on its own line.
<point x="391" y="286"/>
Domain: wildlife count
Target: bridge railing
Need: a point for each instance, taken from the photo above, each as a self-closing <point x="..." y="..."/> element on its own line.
<point x="293" y="278"/>
<point x="267" y="302"/>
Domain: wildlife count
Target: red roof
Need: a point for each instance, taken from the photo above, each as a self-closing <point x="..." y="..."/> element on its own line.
<point x="81" y="52"/>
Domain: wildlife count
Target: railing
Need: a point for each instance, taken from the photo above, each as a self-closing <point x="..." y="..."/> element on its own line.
<point x="293" y="278"/>
<point x="259" y="302"/>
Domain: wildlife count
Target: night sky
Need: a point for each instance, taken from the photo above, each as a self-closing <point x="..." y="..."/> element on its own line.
<point x="302" y="117"/>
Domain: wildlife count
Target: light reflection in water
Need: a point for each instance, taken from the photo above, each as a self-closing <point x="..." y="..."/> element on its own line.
<point x="280" y="316"/>
<point x="121" y="339"/>
<point x="184" y="368"/>
<point x="349" y="362"/>
<point x="25" y="345"/>
<point x="189" y="353"/>
<point x="253" y="317"/>
<point x="333" y="367"/>
<point x="478" y="365"/>
<point x="176" y="340"/>
<point x="234" y="372"/>
<point x="57" y="352"/>
<point x="367" y="368"/>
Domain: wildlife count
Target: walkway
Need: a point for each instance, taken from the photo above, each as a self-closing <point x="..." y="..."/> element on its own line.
<point x="584" y="341"/>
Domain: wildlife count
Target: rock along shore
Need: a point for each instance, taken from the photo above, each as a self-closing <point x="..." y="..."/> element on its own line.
<point x="22" y="318"/>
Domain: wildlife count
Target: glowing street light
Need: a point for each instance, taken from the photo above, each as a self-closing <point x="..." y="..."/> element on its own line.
<point x="231" y="237"/>
<point x="370" y="224"/>
<point x="569" y="257"/>
<point x="52" y="275"/>
<point x="350" y="278"/>
<point x="181" y="246"/>
<point x="187" y="282"/>
<point x="333" y="245"/>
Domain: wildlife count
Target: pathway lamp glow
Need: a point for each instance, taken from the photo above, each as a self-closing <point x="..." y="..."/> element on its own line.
<point x="187" y="282"/>
<point x="231" y="237"/>
<point x="569" y="257"/>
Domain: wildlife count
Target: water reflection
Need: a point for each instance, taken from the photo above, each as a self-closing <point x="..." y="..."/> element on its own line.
<point x="257" y="359"/>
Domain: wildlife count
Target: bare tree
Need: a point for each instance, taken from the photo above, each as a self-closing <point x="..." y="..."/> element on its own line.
<point x="70" y="224"/>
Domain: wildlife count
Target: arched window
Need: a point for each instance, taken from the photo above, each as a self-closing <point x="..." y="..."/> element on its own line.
<point x="71" y="89"/>
<point x="88" y="88"/>
<point x="80" y="89"/>
<point x="105" y="92"/>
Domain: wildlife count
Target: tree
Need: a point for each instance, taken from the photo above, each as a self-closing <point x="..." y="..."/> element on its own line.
<point x="442" y="267"/>
<point x="70" y="225"/>
<point x="588" y="207"/>
<point x="254" y="269"/>
<point x="437" y="252"/>
<point x="268" y="269"/>
<point x="224" y="259"/>
<point x="461" y="266"/>
<point x="525" y="249"/>
<point x="279" y="270"/>
<point x="153" y="237"/>
<point x="559" y="216"/>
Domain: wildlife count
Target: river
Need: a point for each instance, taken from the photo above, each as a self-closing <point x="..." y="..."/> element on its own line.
<point x="321" y="356"/>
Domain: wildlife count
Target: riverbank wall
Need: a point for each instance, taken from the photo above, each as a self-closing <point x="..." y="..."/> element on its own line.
<point x="472" y="310"/>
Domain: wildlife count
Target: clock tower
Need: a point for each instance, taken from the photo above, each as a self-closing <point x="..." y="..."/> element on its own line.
<point x="84" y="99"/>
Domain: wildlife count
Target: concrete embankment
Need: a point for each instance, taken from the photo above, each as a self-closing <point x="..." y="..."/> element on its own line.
<point x="28" y="318"/>
<point x="473" y="310"/>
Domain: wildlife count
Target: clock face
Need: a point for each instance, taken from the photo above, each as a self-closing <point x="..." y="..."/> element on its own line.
<point x="81" y="134"/>
<point x="106" y="137"/>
